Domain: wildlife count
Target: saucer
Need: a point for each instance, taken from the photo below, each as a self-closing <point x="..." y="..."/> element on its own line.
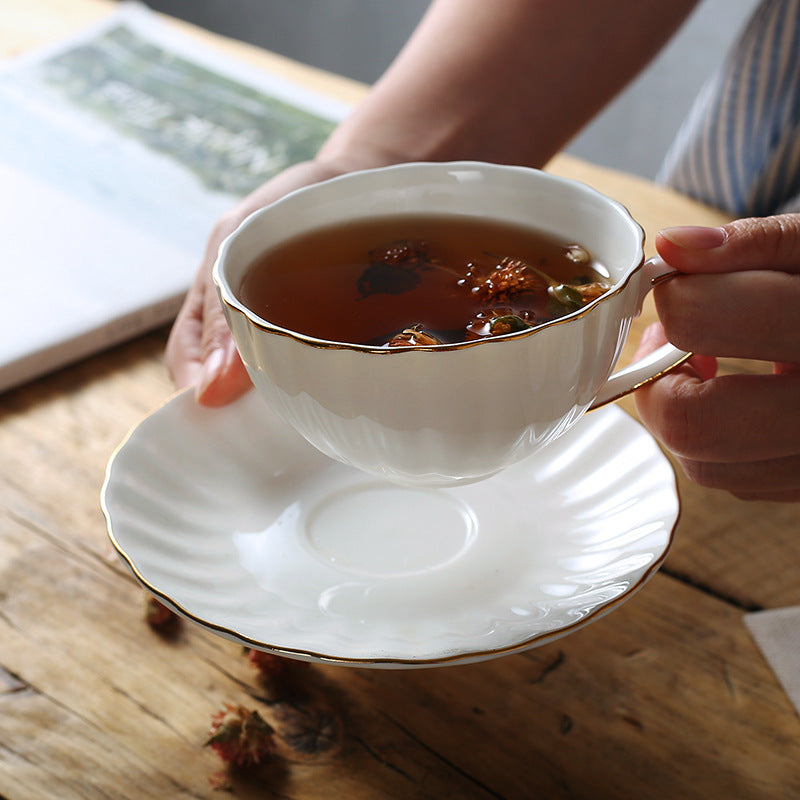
<point x="237" y="523"/>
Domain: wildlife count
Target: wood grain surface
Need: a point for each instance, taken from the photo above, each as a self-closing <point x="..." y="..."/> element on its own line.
<point x="667" y="697"/>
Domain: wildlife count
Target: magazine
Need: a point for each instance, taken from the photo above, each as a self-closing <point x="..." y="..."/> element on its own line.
<point x="119" y="149"/>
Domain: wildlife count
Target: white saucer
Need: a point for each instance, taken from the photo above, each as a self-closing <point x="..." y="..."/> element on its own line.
<point x="239" y="525"/>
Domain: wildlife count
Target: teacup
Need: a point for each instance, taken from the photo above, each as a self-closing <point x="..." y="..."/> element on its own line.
<point x="447" y="414"/>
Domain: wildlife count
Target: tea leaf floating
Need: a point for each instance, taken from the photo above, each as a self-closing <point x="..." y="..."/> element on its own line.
<point x="567" y="296"/>
<point x="508" y="323"/>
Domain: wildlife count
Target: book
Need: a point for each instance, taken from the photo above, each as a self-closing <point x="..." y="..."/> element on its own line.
<point x="119" y="149"/>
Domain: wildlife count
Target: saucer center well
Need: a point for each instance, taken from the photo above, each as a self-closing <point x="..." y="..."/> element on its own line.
<point x="387" y="530"/>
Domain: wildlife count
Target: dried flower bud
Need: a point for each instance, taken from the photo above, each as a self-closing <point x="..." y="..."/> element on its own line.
<point x="395" y="268"/>
<point x="156" y="614"/>
<point x="510" y="278"/>
<point x="240" y="736"/>
<point x="408" y="252"/>
<point x="413" y="337"/>
<point x="268" y="664"/>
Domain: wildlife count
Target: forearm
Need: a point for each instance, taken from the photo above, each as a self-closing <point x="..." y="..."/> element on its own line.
<point x="505" y="80"/>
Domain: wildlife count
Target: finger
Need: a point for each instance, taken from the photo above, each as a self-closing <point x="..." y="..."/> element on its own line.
<point x="183" y="354"/>
<point x="789" y="496"/>
<point x="200" y="351"/>
<point x="784" y="368"/>
<point x="654" y="337"/>
<point x="748" y="314"/>
<point x="771" y="243"/>
<point x="728" y="419"/>
<point x="774" y="477"/>
<point x="222" y="377"/>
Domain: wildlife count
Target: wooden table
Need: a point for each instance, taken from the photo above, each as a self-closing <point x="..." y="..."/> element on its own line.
<point x="668" y="697"/>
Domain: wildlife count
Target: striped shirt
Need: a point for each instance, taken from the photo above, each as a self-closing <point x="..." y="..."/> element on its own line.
<point x="739" y="148"/>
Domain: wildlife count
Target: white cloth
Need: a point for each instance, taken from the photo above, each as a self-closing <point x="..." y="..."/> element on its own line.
<point x="777" y="633"/>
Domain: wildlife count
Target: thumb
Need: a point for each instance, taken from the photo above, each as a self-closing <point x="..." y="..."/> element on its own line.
<point x="771" y="243"/>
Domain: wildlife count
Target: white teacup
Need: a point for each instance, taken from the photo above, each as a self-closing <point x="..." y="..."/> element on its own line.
<point x="452" y="413"/>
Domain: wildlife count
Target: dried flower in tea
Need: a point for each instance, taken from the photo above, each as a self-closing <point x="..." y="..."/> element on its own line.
<point x="394" y="269"/>
<point x="420" y="280"/>
<point x="509" y="279"/>
<point x="413" y="337"/>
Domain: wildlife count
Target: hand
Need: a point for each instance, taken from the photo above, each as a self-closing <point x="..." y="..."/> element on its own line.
<point x="200" y="350"/>
<point x="738" y="296"/>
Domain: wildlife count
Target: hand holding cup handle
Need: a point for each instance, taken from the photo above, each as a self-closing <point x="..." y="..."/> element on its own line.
<point x="653" y="365"/>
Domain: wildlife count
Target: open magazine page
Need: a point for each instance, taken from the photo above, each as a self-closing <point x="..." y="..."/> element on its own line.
<point x="119" y="148"/>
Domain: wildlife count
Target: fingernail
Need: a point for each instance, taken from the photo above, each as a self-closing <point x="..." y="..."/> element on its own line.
<point x="212" y="368"/>
<point x="696" y="237"/>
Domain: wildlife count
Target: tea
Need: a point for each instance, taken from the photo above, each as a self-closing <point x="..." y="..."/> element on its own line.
<point x="405" y="281"/>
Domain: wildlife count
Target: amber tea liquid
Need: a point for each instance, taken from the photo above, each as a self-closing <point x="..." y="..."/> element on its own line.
<point x="367" y="281"/>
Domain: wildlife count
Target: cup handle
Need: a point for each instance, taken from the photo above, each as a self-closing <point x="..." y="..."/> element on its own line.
<point x="652" y="366"/>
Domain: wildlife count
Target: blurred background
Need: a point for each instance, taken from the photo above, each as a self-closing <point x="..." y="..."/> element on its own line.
<point x="359" y="38"/>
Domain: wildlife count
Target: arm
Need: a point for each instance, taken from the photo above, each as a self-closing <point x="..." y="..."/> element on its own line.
<point x="506" y="81"/>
